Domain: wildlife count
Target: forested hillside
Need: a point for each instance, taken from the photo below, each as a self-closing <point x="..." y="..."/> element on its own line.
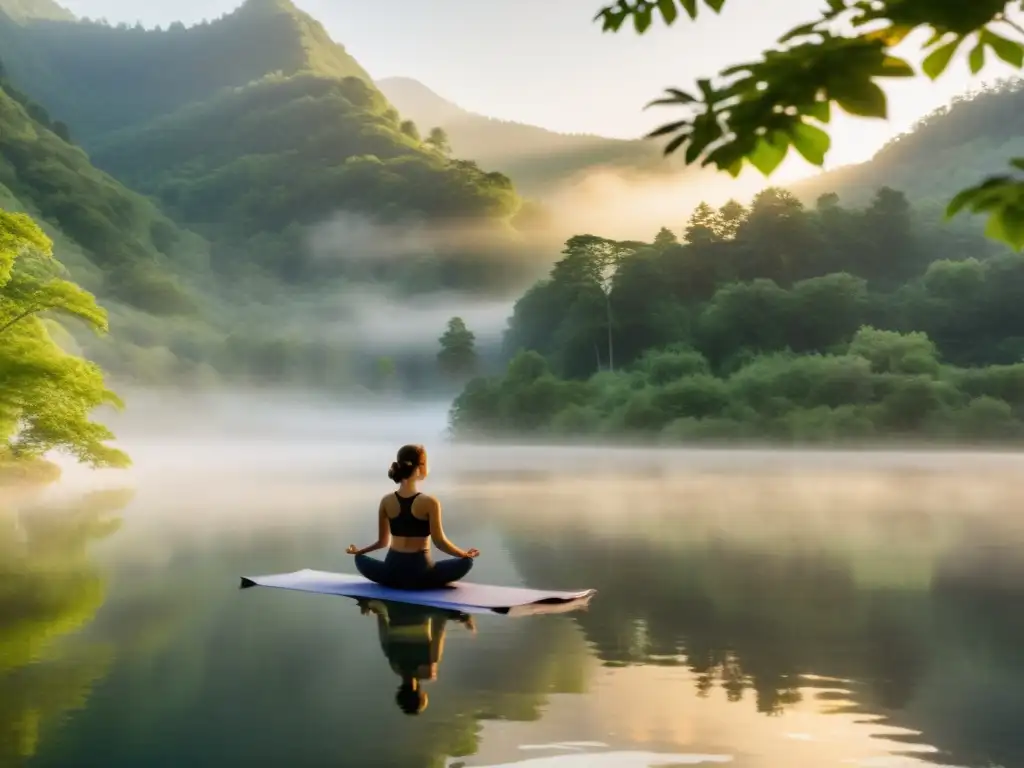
<point x="256" y="127"/>
<point x="21" y="10"/>
<point x="278" y="177"/>
<point x="536" y="159"/>
<point x="300" y="149"/>
<point x="946" y="151"/>
<point x="99" y="78"/>
<point x="126" y="248"/>
<point x="773" y="322"/>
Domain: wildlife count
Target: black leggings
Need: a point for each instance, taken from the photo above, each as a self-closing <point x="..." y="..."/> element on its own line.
<point x="412" y="570"/>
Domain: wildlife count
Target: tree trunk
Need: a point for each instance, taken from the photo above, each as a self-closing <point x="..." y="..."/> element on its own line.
<point x="608" y="305"/>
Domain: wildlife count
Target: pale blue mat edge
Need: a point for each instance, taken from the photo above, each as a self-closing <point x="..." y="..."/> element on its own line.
<point x="355" y="587"/>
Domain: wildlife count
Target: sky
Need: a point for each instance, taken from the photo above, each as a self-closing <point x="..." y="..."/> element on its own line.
<point x="547" y="63"/>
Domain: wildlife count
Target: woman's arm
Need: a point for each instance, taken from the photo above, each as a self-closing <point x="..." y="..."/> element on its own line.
<point x="383" y="534"/>
<point x="437" y="532"/>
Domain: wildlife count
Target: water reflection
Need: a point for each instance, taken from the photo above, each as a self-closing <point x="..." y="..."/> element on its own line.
<point x="49" y="589"/>
<point x="412" y="638"/>
<point x="794" y="618"/>
<point x="929" y="645"/>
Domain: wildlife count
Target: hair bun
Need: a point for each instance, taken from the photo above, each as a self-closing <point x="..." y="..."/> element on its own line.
<point x="393" y="471"/>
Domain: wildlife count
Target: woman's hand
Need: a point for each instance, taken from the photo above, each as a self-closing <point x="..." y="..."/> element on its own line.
<point x="352" y="550"/>
<point x="472" y="553"/>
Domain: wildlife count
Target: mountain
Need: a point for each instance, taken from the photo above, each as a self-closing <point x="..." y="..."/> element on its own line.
<point x="952" y="148"/>
<point x="22" y="10"/>
<point x="536" y="159"/>
<point x="236" y="192"/>
<point x="100" y="78"/>
<point x="299" y="150"/>
<point x="121" y="245"/>
<point x="255" y="128"/>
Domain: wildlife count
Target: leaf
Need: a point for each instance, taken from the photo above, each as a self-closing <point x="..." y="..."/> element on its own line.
<point x="690" y="6"/>
<point x="976" y="58"/>
<point x="612" y="19"/>
<point x="862" y="99"/>
<point x="1011" y="225"/>
<point x="676" y="143"/>
<point x="819" y="110"/>
<point x="642" y="16"/>
<point x="681" y="96"/>
<point x="1008" y="50"/>
<point x="802" y="31"/>
<point x="1018" y="163"/>
<point x="674" y="98"/>
<point x="811" y="142"/>
<point x="937" y="61"/>
<point x="669" y="12"/>
<point x="992" y="193"/>
<point x="962" y="199"/>
<point x="895" y="67"/>
<point x="667" y="128"/>
<point x="769" y="153"/>
<point x="890" y="36"/>
<point x="715" y="5"/>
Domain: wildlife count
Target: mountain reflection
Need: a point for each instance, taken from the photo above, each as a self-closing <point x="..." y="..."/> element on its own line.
<point x="938" y="654"/>
<point x="49" y="589"/>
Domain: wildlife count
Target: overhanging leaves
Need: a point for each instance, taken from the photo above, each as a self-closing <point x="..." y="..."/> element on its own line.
<point x="755" y="111"/>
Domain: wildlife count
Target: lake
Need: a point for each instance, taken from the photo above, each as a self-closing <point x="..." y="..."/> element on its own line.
<point x="757" y="609"/>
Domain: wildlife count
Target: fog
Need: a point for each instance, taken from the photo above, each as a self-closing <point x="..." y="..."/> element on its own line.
<point x="400" y="324"/>
<point x="220" y="436"/>
<point x="227" y="470"/>
<point x="634" y="205"/>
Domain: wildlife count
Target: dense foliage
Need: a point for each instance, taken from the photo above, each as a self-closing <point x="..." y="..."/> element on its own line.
<point x="317" y="195"/>
<point x="300" y="150"/>
<point x="757" y="111"/>
<point x="254" y="127"/>
<point x="134" y="75"/>
<point x="774" y="322"/>
<point x="129" y="245"/>
<point x="46" y="394"/>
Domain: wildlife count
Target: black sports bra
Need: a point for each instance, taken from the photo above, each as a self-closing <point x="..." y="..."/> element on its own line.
<point x="405" y="523"/>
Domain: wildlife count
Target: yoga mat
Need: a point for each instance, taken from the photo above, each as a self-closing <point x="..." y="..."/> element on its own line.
<point x="461" y="596"/>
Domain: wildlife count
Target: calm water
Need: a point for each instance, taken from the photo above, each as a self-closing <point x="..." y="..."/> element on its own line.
<point x="755" y="609"/>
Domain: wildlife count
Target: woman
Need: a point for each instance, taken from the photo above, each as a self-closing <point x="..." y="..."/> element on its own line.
<point x="407" y="521"/>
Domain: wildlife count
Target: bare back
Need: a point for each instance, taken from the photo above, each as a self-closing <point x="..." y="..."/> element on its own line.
<point x="422" y="508"/>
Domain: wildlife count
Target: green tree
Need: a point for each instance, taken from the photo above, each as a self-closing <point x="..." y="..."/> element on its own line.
<point x="46" y="395"/>
<point x="408" y="127"/>
<point x="665" y="238"/>
<point x="457" y="357"/>
<point x="438" y="139"/>
<point x="705" y="226"/>
<point x="756" y="111"/>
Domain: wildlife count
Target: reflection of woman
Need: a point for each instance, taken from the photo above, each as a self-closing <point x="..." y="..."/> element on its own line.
<point x="407" y="521"/>
<point x="412" y="638"/>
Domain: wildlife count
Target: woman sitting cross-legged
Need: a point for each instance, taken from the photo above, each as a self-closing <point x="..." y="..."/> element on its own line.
<point x="408" y="520"/>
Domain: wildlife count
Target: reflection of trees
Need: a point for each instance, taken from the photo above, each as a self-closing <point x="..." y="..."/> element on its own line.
<point x="744" y="620"/>
<point x="943" y="659"/>
<point x="49" y="588"/>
